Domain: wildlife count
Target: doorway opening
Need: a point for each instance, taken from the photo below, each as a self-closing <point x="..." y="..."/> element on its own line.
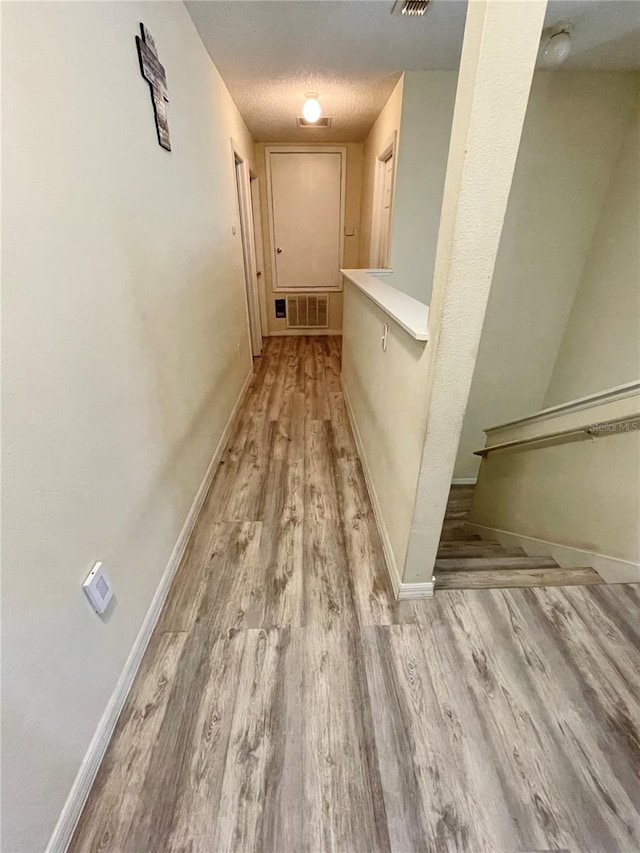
<point x="247" y="233"/>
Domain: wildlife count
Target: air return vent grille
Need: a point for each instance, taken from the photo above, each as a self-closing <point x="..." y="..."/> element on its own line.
<point x="411" y="7"/>
<point x="308" y="312"/>
<point x="324" y="121"/>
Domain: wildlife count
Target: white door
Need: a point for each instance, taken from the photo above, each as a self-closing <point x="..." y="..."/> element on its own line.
<point x="306" y="209"/>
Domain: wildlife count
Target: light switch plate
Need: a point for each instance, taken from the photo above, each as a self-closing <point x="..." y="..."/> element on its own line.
<point x="98" y="588"/>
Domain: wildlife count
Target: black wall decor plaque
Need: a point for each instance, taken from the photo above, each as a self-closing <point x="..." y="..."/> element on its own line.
<point x="153" y="72"/>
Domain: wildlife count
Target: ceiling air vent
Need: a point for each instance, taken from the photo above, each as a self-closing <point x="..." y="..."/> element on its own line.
<point x="325" y="121"/>
<point x="411" y="7"/>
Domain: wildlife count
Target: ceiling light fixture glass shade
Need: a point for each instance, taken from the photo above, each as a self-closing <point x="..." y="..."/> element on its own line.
<point x="555" y="51"/>
<point x="311" y="109"/>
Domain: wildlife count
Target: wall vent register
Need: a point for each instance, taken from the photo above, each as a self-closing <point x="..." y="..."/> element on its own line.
<point x="308" y="312"/>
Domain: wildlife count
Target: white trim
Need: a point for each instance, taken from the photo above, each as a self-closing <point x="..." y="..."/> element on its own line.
<point x="76" y="799"/>
<point x="304" y="149"/>
<point x="610" y="569"/>
<point x="307" y="332"/>
<point x="241" y="180"/>
<point x="618" y="392"/>
<point x="416" y="590"/>
<point x="409" y="313"/>
<point x="389" y="556"/>
<point x="256" y="209"/>
<point x="464" y="481"/>
<point x="388" y="151"/>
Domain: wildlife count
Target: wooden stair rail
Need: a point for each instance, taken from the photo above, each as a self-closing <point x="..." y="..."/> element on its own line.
<point x="594" y="430"/>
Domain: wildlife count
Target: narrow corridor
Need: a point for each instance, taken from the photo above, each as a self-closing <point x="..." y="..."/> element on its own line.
<point x="288" y="703"/>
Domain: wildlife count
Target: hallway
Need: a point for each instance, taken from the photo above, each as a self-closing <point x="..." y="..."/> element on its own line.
<point x="288" y="703"/>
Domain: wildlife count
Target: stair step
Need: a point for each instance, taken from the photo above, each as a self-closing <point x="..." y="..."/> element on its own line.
<point x="458" y="536"/>
<point x="497" y="563"/>
<point x="460" y="503"/>
<point x="483" y="548"/>
<point x="506" y="578"/>
<point x="461" y="493"/>
<point x="457" y="529"/>
<point x="455" y="514"/>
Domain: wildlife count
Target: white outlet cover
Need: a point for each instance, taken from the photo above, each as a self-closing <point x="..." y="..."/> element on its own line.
<point x="98" y="589"/>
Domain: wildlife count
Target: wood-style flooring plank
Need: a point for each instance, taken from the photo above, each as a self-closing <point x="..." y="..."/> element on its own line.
<point x="554" y="674"/>
<point x="334" y="344"/>
<point x="179" y="807"/>
<point x="621" y="604"/>
<point x="441" y="786"/>
<point x="477" y="549"/>
<point x="503" y="578"/>
<point x="344" y="809"/>
<point x="182" y="603"/>
<point x="281" y="555"/>
<point x="261" y="806"/>
<point x="495" y="563"/>
<point x="525" y="705"/>
<point x="321" y="501"/>
<point x="115" y="801"/>
<point x="234" y="594"/>
<point x="315" y="388"/>
<point x="328" y="584"/>
<point x="332" y="370"/>
<point x="343" y="441"/>
<point x="374" y="598"/>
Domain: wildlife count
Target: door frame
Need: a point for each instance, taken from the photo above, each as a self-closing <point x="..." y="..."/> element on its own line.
<point x="388" y="150"/>
<point x="305" y="149"/>
<point x="241" y="178"/>
<point x="254" y="184"/>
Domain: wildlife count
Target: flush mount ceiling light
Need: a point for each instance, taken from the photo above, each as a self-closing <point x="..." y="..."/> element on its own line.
<point x="555" y="50"/>
<point x="311" y="109"/>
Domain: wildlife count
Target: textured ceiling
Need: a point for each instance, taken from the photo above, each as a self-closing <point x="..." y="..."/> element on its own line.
<point x="349" y="51"/>
<point x="271" y="52"/>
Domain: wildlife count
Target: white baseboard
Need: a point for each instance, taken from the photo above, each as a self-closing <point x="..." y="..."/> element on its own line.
<point x="610" y="569"/>
<point x="286" y="332"/>
<point x="416" y="590"/>
<point x="464" y="481"/>
<point x="79" y="792"/>
<point x="392" y="567"/>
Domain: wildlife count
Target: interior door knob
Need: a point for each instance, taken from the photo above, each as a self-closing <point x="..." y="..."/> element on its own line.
<point x="279" y="251"/>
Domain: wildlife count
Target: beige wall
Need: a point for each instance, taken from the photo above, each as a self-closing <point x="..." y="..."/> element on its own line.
<point x="571" y="141"/>
<point x="125" y="347"/>
<point x="387" y="123"/>
<point x="351" y="244"/>
<point x="427" y="110"/>
<point x="601" y="344"/>
<point x="419" y="110"/>
<point x="386" y="393"/>
<point x="578" y="494"/>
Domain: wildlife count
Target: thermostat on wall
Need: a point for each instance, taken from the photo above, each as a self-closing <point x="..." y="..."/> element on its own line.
<point x="97" y="588"/>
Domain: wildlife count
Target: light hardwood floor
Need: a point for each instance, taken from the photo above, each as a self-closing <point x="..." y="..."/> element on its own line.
<point x="288" y="703"/>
